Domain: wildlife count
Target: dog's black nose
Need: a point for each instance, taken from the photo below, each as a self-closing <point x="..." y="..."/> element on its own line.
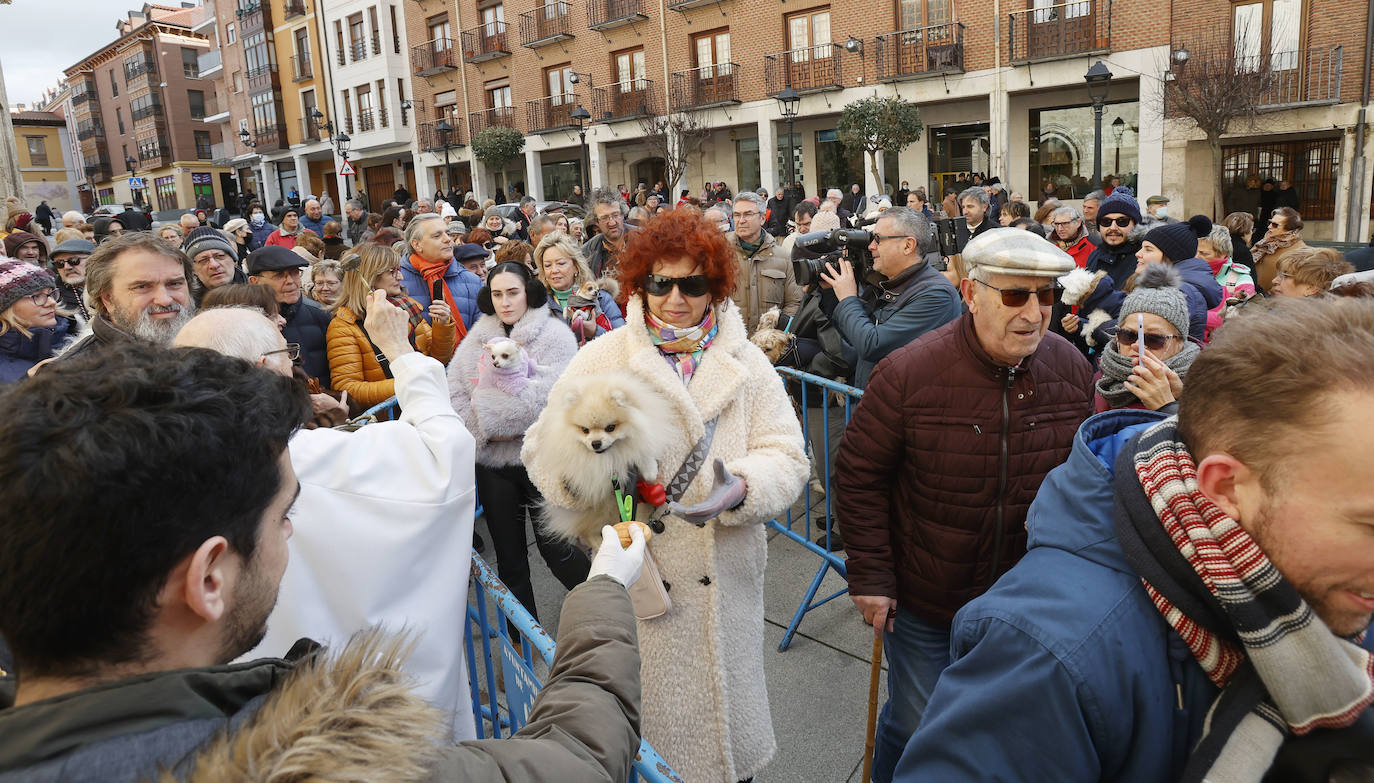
<point x="596" y="445"/>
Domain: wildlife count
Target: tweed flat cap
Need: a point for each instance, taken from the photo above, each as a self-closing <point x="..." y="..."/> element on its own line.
<point x="1012" y="251"/>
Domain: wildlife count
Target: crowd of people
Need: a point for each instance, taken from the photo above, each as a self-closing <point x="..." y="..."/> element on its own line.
<point x="1103" y="499"/>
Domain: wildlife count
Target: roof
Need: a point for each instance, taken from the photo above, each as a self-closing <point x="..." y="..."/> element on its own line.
<point x="36" y="118"/>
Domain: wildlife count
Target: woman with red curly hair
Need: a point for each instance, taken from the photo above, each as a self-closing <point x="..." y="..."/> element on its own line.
<point x="705" y="707"/>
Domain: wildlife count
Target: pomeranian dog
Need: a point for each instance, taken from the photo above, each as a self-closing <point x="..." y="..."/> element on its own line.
<point x="603" y="428"/>
<point x="506" y="366"/>
<point x="773" y="341"/>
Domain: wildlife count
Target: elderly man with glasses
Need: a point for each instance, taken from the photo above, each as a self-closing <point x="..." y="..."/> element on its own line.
<point x="765" y="280"/>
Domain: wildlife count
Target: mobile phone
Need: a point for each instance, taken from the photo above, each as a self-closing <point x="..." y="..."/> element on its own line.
<point x="437" y="291"/>
<point x="1139" y="336"/>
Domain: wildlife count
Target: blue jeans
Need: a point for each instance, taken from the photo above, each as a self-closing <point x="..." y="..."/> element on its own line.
<point x="916" y="652"/>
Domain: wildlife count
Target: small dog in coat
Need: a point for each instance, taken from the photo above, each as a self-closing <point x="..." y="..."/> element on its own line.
<point x="604" y="428"/>
<point x="1097" y="300"/>
<point x="584" y="305"/>
<point x="773" y="341"/>
<point x="505" y="366"/>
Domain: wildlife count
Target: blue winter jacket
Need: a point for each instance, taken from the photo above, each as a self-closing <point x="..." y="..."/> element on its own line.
<point x="1203" y="291"/>
<point x="260" y="235"/>
<point x="315" y="225"/>
<point x="463" y="284"/>
<point x="19" y="353"/>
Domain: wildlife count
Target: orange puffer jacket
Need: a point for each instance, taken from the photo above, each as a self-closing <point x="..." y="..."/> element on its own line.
<point x="353" y="365"/>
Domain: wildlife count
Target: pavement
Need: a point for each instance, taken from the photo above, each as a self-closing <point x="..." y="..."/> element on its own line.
<point x="817" y="688"/>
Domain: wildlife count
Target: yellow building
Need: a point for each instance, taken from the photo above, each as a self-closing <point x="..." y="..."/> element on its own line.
<point x="306" y="161"/>
<point x="41" y="140"/>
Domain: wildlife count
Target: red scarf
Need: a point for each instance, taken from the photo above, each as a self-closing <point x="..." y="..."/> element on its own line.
<point x="434" y="270"/>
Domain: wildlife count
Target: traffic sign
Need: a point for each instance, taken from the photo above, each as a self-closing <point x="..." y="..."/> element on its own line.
<point x="135" y="183"/>
<point x="347" y="169"/>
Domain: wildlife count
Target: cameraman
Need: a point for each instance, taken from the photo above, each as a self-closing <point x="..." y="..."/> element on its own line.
<point x="913" y="299"/>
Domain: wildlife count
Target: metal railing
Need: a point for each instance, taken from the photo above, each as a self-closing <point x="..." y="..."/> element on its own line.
<point x="623" y="100"/>
<point x="367" y="120"/>
<point x="83" y="92"/>
<point x="152" y="154"/>
<point x="357" y="50"/>
<point x="208" y="61"/>
<point x="433" y="57"/>
<point x="486" y="41"/>
<point x="261" y="78"/>
<point x="503" y="116"/>
<point x="1059" y="31"/>
<point x="293" y="8"/>
<point x="301" y="67"/>
<point x="308" y="130"/>
<point x="549" y="114"/>
<point x="708" y="85"/>
<point x="1302" y="77"/>
<point x="136" y="69"/>
<point x="153" y="109"/>
<point x="546" y="24"/>
<point x="806" y="69"/>
<point x="431" y="139"/>
<point x="270" y="138"/>
<point x="252" y="16"/>
<point x="908" y="53"/>
<point x="606" y="14"/>
<point x="90" y="129"/>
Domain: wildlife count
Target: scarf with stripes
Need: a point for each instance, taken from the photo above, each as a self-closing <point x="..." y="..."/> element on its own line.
<point x="1280" y="669"/>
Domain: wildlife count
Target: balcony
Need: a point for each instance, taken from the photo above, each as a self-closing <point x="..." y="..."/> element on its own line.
<point x="623" y="101"/>
<point x="269" y="138"/>
<point x="704" y="87"/>
<point x="485" y="42"/>
<point x="504" y="116"/>
<point x="687" y="5"/>
<point x="252" y="16"/>
<point x="264" y="77"/>
<point x="90" y="129"/>
<point x="808" y="69"/>
<point x="139" y="75"/>
<point x="431" y="140"/>
<point x="547" y="24"/>
<point x="293" y="9"/>
<point x="1059" y="31"/>
<point x="372" y="119"/>
<point x="544" y="115"/>
<point x="922" y="51"/>
<point x="609" y="14"/>
<point x="83" y="92"/>
<point x="153" y="109"/>
<point x="98" y="167"/>
<point x="308" y="130"/>
<point x="1304" y="77"/>
<point x="215" y="111"/>
<point x="210" y="63"/>
<point x="357" y="50"/>
<point x="153" y="154"/>
<point x="301" y="68"/>
<point x="434" y="57"/>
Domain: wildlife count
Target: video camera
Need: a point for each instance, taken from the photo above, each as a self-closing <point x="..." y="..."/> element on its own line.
<point x="951" y="234"/>
<point x="813" y="251"/>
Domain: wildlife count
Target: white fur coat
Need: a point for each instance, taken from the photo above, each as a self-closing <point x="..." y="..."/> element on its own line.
<point x="496" y="419"/>
<point x="705" y="705"/>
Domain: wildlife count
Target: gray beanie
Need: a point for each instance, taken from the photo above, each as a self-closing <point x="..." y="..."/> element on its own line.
<point x="207" y="238"/>
<point x="1157" y="291"/>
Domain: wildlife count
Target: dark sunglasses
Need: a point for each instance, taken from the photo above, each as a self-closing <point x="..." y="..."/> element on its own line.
<point x="1155" y="342"/>
<point x="59" y="263"/>
<point x="694" y="285"/>
<point x="1121" y="222"/>
<point x="1017" y="297"/>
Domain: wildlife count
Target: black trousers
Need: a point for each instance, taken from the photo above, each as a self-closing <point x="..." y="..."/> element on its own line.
<point x="507" y="494"/>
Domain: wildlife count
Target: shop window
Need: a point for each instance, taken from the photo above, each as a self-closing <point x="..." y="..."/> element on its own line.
<point x="1061" y="148"/>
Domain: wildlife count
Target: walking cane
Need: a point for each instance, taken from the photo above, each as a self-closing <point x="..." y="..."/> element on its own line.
<point x="873" y="704"/>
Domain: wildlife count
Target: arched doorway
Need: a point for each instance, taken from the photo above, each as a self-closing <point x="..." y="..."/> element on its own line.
<point x="649" y="171"/>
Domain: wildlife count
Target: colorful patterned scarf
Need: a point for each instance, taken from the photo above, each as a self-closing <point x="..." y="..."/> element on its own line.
<point x="1280" y="668"/>
<point x="414" y="310"/>
<point x="682" y="347"/>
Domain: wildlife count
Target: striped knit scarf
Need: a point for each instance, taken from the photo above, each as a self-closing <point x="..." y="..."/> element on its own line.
<point x="1280" y="669"/>
<point x="682" y="347"/>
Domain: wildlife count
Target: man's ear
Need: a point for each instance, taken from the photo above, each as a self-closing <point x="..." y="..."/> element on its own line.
<point x="210" y="576"/>
<point x="1226" y="481"/>
<point x="966" y="291"/>
<point x="254" y="279"/>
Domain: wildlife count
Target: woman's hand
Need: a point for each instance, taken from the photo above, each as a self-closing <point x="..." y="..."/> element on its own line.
<point x="440" y="311"/>
<point x="1150" y="382"/>
<point x="589" y="328"/>
<point x="1070" y="323"/>
<point x="841" y="280"/>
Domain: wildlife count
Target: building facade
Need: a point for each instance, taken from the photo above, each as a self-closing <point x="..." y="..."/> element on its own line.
<point x="45" y="160"/>
<point x="138" y="107"/>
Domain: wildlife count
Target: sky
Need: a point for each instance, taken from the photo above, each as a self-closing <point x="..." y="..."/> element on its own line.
<point x="45" y="36"/>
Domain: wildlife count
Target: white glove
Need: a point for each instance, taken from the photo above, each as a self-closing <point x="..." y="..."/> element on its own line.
<point x="622" y="565"/>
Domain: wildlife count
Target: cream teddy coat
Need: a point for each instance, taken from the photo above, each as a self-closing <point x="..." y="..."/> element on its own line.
<point x="705" y="703"/>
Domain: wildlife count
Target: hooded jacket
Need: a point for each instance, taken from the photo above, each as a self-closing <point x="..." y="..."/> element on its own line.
<point x="16" y="238"/>
<point x="1118" y="261"/>
<point x="1203" y="292"/>
<point x="350" y="716"/>
<point x="19" y="353"/>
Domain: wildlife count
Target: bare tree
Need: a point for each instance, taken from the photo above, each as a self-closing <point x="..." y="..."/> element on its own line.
<point x="1216" y="89"/>
<point x="675" y="137"/>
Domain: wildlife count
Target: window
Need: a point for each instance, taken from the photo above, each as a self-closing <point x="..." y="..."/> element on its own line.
<point x="38" y="150"/>
<point x="119" y="118"/>
<point x="229" y="35"/>
<point x="348" y="111"/>
<point x="922" y="13"/>
<point x="382" y="119"/>
<point x="499" y="98"/>
<point x="376" y="30"/>
<point x="114" y="86"/>
<point x="302" y="39"/>
<point x="166" y="188"/>
<point x="196" y="99"/>
<point x="264" y="112"/>
<point x="710" y="50"/>
<point x="1062" y="147"/>
<point x="439" y="32"/>
<point x="493" y="19"/>
<point x="629" y="70"/>
<point x="808" y="35"/>
<point x="147" y="105"/>
<point x="190" y="63"/>
<point x="308" y="106"/>
<point x="256" y="54"/>
<point x="237" y="81"/>
<point x="395" y="36"/>
<point x="1269" y="27"/>
<point x="357" y="37"/>
<point x="1310" y="165"/>
<point x="559" y="81"/>
<point x="339" y="40"/>
<point x="401" y="93"/>
<point x="204" y="151"/>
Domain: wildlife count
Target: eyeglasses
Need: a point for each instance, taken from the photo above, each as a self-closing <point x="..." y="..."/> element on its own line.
<point x="41" y="298"/>
<point x="1017" y="297"/>
<point x="1062" y="224"/>
<point x="292" y="351"/>
<point x="880" y="237"/>
<point x="1155" y="342"/>
<point x="60" y="263"/>
<point x="745" y="215"/>
<point x="692" y="285"/>
<point x="1121" y="222"/>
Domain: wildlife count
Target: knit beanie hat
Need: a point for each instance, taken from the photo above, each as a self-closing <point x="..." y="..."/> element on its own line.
<point x="1157" y="291"/>
<point x="19" y="279"/>
<point x="1122" y="202"/>
<point x="207" y="238"/>
<point x="1178" y="241"/>
<point x="825" y="221"/>
<point x="490" y="211"/>
<point x="13" y="206"/>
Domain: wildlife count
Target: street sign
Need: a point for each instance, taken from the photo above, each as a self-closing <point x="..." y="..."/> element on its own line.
<point x="347" y="169"/>
<point x="135" y="183"/>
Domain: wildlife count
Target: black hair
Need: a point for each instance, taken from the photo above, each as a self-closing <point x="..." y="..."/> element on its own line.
<point x="535" y="293"/>
<point x="1029" y="225"/>
<point x="114" y="467"/>
<point x="804" y="208"/>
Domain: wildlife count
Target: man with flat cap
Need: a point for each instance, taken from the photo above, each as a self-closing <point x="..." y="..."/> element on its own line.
<point x="307" y="324"/>
<point x="943" y="456"/>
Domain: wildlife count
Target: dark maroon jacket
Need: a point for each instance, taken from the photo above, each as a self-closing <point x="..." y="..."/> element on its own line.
<point x="942" y="459"/>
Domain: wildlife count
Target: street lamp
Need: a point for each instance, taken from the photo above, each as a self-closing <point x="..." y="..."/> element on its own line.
<point x="581" y="116"/>
<point x="1099" y="82"/>
<point x="789" y="100"/>
<point x="131" y="164"/>
<point x="445" y="130"/>
<point x="1119" y="131"/>
<point x="341" y="144"/>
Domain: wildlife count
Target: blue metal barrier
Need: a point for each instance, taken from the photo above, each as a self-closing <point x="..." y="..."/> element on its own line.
<point x="388" y="404"/>
<point x="814" y="391"/>
<point x="519" y="682"/>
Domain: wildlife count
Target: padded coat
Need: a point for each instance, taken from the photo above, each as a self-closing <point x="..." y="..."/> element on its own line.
<point x="353" y="361"/>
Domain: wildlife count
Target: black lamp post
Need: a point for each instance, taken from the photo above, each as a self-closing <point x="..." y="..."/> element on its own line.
<point x="341" y="144"/>
<point x="132" y="164"/>
<point x="789" y="100"/>
<point x="581" y="116"/>
<point x="445" y="131"/>
<point x="1119" y="131"/>
<point x="1099" y="82"/>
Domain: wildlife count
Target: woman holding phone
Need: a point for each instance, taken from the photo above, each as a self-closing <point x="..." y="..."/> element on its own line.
<point x="1144" y="363"/>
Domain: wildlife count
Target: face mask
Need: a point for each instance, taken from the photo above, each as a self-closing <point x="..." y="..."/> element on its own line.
<point x="257" y="219"/>
<point x="1162" y="212"/>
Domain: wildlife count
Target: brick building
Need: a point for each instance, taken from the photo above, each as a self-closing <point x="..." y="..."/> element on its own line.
<point x="137" y="108"/>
